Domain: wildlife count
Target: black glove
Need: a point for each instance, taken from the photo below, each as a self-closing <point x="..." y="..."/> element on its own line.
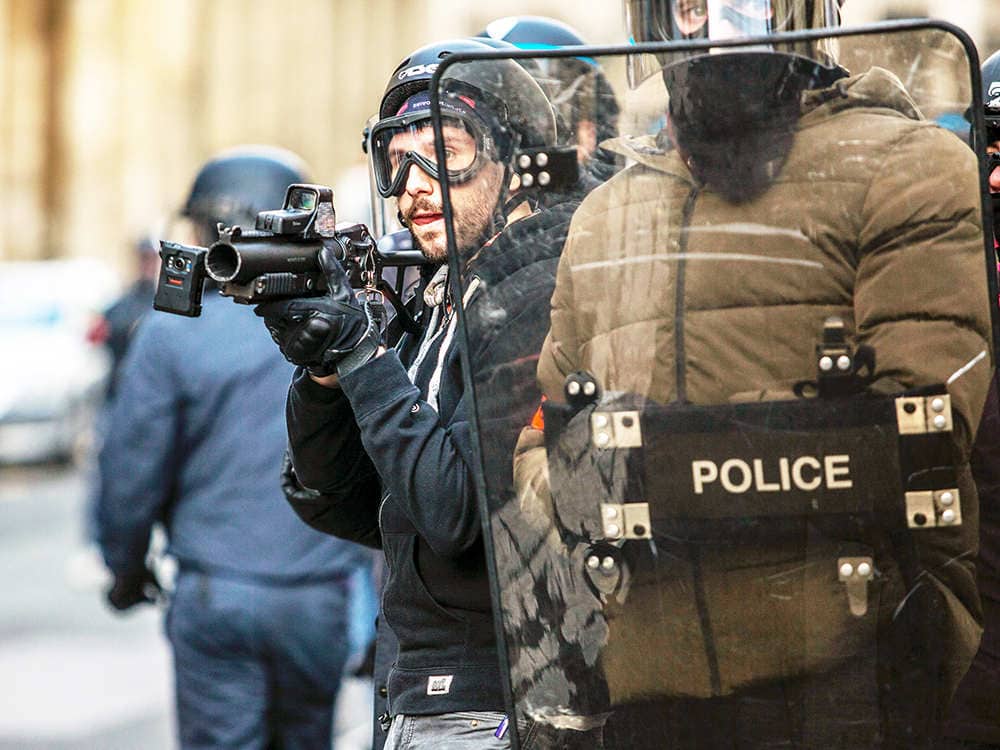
<point x="133" y="587"/>
<point x="318" y="332"/>
<point x="290" y="485"/>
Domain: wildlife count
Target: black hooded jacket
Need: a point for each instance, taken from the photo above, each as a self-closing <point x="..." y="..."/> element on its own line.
<point x="973" y="715"/>
<point x="392" y="457"/>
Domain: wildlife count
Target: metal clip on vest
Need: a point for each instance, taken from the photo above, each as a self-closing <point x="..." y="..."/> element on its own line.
<point x="840" y="369"/>
<point x="581" y="390"/>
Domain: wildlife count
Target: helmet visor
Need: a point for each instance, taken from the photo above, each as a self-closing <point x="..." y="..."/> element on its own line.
<point x="399" y="143"/>
<point x="678" y="20"/>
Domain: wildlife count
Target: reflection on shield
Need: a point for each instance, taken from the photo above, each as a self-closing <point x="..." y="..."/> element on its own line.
<point x="724" y="461"/>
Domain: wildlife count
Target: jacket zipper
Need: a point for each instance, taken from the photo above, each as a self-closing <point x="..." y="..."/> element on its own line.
<point x="694" y="554"/>
<point x="705" y="620"/>
<point x="385" y="718"/>
<point x="679" y="374"/>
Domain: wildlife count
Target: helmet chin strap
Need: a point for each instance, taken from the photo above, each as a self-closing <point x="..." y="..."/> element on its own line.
<point x="498" y="219"/>
<point x="506" y="203"/>
<point x="506" y="200"/>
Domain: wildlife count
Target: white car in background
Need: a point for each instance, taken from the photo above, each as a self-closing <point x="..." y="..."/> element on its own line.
<point x="51" y="377"/>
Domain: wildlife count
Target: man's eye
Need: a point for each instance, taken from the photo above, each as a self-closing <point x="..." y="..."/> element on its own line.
<point x="453" y="156"/>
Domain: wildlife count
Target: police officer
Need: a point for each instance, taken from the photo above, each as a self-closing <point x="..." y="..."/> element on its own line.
<point x="991" y="94"/>
<point x="257" y="620"/>
<point x="383" y="437"/>
<point x="973" y="718"/>
<point x="783" y="191"/>
<point x="578" y="88"/>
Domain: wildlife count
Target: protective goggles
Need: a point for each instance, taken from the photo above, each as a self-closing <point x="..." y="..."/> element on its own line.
<point x="398" y="143"/>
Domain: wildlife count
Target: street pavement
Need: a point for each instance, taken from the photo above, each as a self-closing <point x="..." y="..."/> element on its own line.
<point x="74" y="676"/>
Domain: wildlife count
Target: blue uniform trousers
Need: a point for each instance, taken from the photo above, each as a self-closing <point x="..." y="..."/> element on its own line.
<point x="256" y="665"/>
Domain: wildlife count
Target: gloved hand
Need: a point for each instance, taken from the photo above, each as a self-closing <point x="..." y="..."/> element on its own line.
<point x="318" y="332"/>
<point x="290" y="485"/>
<point x="133" y="587"/>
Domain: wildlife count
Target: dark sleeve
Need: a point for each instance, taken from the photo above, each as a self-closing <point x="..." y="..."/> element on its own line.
<point x="921" y="302"/>
<point x="986" y="472"/>
<point x="339" y="517"/>
<point x="505" y="366"/>
<point x="138" y="459"/>
<point x="920" y="295"/>
<point x="425" y="465"/>
<point x="341" y="489"/>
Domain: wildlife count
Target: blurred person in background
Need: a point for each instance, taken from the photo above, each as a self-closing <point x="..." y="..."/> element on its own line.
<point x="116" y="327"/>
<point x="258" y="617"/>
<point x="974" y="717"/>
<point x="114" y="330"/>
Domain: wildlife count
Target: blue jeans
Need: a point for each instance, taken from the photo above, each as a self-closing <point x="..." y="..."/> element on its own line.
<point x="475" y="730"/>
<point x="256" y="665"/>
<point x="465" y="730"/>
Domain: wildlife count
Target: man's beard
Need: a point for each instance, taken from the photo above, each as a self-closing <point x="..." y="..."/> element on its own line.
<point x="472" y="217"/>
<point x="422" y="206"/>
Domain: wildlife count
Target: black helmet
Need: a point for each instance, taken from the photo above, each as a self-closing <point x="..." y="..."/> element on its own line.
<point x="991" y="96"/>
<point x="991" y="111"/>
<point x="236" y="184"/>
<point x="576" y="86"/>
<point x="497" y="101"/>
<point x="413" y="74"/>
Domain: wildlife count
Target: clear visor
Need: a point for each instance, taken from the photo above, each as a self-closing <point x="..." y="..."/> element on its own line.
<point x="730" y="19"/>
<point x="399" y="143"/>
<point x="564" y="81"/>
<point x="678" y="20"/>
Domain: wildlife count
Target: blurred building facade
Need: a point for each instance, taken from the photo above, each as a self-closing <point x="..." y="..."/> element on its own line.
<point x="107" y="107"/>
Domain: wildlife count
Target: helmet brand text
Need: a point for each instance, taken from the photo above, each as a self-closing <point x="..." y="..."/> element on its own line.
<point x="417" y="70"/>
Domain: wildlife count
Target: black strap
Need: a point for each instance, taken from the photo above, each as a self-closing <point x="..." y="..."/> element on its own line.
<point x="369" y="342"/>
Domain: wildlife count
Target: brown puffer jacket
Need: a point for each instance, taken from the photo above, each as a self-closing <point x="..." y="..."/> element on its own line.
<point x="666" y="290"/>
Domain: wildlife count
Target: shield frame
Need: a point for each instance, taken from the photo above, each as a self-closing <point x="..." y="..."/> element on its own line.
<point x="978" y="143"/>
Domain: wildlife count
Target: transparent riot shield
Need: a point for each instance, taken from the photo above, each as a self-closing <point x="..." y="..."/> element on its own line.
<point x="724" y="398"/>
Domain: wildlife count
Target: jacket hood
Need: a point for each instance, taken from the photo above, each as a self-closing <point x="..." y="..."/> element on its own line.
<point x="876" y="88"/>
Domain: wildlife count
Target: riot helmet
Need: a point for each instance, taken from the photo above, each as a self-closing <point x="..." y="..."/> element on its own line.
<point x="991" y="96"/>
<point x="577" y="86"/>
<point x="236" y="184"/>
<point x="741" y="147"/>
<point x="991" y="107"/>
<point x="499" y="105"/>
<point x="535" y="70"/>
<point x="679" y="20"/>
